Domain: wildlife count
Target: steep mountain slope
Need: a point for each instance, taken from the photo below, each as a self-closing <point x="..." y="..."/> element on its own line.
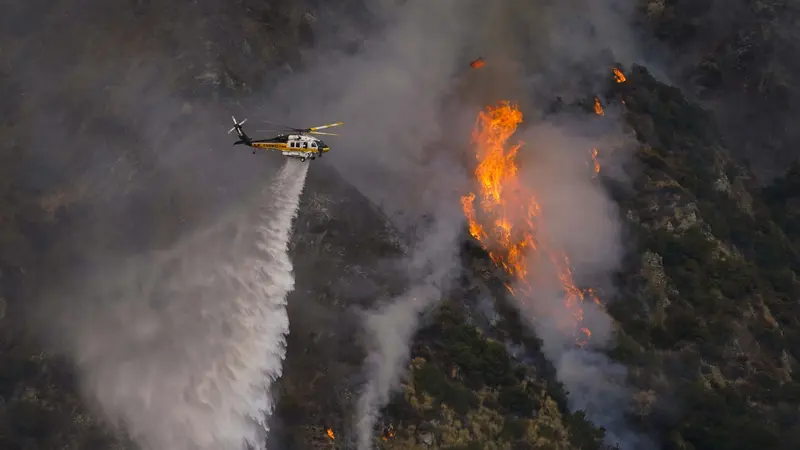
<point x="738" y="57"/>
<point x="782" y="197"/>
<point x="712" y="343"/>
<point x="344" y="251"/>
<point x="707" y="312"/>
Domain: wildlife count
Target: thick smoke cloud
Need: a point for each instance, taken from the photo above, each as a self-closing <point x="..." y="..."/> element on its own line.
<point x="401" y="146"/>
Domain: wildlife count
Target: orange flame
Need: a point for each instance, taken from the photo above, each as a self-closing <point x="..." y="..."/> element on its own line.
<point x="510" y="221"/>
<point x="598" y="108"/>
<point x="475" y="229"/>
<point x="330" y="434"/>
<point x="478" y="63"/>
<point x="388" y="433"/>
<point x="619" y="76"/>
<point x="596" y="162"/>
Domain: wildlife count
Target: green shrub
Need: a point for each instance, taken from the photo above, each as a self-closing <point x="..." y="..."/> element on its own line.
<point x="514" y="428"/>
<point x="516" y="400"/>
<point x="431" y="379"/>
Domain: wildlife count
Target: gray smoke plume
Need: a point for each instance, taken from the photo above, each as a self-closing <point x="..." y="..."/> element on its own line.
<point x="390" y="328"/>
<point x="400" y="151"/>
<point x="580" y="219"/>
<point x="180" y="347"/>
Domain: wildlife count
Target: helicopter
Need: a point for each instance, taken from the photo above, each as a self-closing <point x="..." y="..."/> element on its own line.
<point x="295" y="143"/>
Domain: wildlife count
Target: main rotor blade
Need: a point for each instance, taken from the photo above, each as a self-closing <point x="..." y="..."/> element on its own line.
<point x="320" y="132"/>
<point x="322" y="127"/>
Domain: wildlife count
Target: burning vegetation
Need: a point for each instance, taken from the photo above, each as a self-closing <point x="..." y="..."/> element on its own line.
<point x="477" y="63"/>
<point x="507" y="219"/>
<point x="619" y="76"/>
<point x="388" y="433"/>
<point x="598" y="108"/>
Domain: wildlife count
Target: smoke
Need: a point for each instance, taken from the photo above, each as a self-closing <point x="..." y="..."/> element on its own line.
<point x="580" y="219"/>
<point x="389" y="95"/>
<point x="404" y="149"/>
<point x="397" y="145"/>
<point x="390" y="328"/>
<point x="400" y="150"/>
<point x="181" y="346"/>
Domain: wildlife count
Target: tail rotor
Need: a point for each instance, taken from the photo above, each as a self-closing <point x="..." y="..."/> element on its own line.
<point x="243" y="137"/>
<point x="236" y="125"/>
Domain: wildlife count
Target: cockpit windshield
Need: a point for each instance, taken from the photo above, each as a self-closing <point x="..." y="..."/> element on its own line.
<point x="321" y="144"/>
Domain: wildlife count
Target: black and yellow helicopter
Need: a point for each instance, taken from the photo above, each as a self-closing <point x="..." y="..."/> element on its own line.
<point x="295" y="143"/>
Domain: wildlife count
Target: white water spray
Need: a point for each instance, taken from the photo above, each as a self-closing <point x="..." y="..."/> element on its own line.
<point x="183" y="349"/>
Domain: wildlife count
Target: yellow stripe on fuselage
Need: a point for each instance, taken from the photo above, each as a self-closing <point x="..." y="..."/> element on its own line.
<point x="271" y="145"/>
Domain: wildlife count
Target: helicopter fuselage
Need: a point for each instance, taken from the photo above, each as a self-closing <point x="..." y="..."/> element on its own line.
<point x="293" y="145"/>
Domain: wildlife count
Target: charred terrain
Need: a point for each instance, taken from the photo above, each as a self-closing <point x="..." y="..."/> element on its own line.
<point x="704" y="304"/>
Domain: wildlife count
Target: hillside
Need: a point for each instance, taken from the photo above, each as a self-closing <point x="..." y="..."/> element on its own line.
<point x="706" y="311"/>
<point x="782" y="197"/>
<point x="738" y="57"/>
<point x="705" y="308"/>
<point x="714" y="334"/>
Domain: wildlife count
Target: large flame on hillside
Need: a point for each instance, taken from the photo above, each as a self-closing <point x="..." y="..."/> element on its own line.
<point x="510" y="223"/>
